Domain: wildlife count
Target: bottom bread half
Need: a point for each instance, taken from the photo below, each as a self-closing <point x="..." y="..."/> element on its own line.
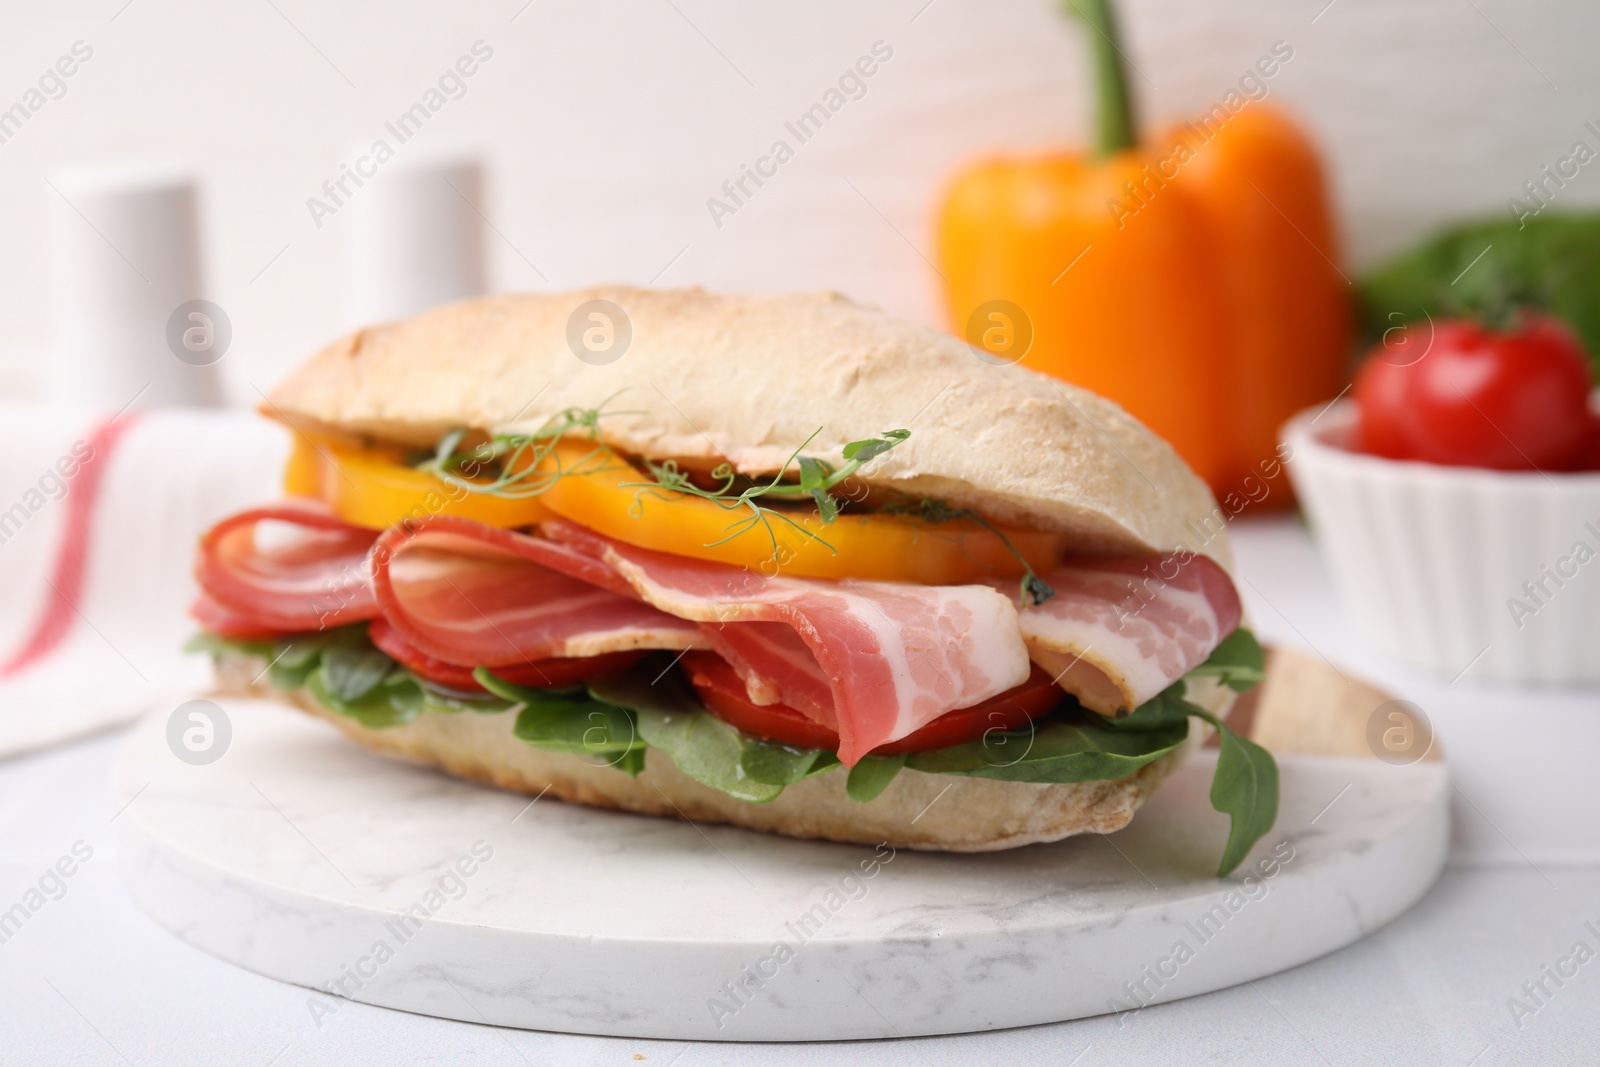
<point x="920" y="811"/>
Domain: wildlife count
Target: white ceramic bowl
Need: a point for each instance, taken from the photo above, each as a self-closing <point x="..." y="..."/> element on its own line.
<point x="1488" y="575"/>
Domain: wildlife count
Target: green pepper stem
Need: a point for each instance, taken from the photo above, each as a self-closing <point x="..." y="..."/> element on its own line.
<point x="1114" y="126"/>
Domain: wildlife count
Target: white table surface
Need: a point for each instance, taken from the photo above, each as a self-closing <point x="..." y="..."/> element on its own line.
<point x="88" y="979"/>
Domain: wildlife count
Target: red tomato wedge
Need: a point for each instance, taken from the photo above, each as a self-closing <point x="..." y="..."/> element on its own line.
<point x="544" y="672"/>
<point x="723" y="693"/>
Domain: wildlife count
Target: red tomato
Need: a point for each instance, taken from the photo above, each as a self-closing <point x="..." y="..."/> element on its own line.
<point x="1590" y="458"/>
<point x="544" y="672"/>
<point x="1476" y="397"/>
<point x="724" y="695"/>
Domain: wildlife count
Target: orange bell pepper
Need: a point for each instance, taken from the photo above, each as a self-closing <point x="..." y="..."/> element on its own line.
<point x="1192" y="279"/>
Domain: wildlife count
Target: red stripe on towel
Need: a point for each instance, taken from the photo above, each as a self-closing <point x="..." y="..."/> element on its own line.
<point x="72" y="557"/>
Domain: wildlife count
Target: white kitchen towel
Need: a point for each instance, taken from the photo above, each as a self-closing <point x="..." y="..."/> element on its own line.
<point x="99" y="512"/>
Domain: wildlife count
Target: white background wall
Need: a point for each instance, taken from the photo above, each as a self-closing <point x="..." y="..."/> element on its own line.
<point x="608" y="124"/>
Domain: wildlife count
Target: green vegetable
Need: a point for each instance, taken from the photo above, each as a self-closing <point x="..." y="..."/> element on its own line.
<point x="1245" y="788"/>
<point x="1237" y="663"/>
<point x="294" y="658"/>
<point x="205" y="641"/>
<point x="350" y="667"/>
<point x="872" y="776"/>
<point x="397" y="696"/>
<point x="1550" y="261"/>
<point x="775" y="764"/>
<point x="570" y="719"/>
<point x="395" y="700"/>
<point x="670" y="718"/>
<point x="1076" y="748"/>
<point x="448" y="704"/>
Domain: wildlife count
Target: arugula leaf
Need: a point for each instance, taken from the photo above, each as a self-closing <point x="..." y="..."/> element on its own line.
<point x="1245" y="788"/>
<point x="1166" y="708"/>
<point x="580" y="726"/>
<point x="1237" y="662"/>
<point x="872" y="776"/>
<point x="350" y="667"/>
<point x="206" y="641"/>
<point x="449" y="704"/>
<point x="571" y="720"/>
<point x="394" y="701"/>
<point x="1056" y="750"/>
<point x="525" y="694"/>
<point x="777" y="764"/>
<point x="631" y="762"/>
<point x="294" y="658"/>
<point x="670" y="718"/>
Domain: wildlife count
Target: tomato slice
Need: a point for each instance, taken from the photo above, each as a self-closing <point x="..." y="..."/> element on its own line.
<point x="544" y="672"/>
<point x="724" y="695"/>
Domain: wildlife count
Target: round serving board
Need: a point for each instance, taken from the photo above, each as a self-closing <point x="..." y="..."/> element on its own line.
<point x="301" y="856"/>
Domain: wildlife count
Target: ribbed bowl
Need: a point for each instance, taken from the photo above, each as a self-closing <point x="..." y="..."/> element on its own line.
<point x="1490" y="575"/>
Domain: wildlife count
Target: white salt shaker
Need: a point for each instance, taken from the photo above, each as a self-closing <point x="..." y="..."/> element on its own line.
<point x="415" y="236"/>
<point x="130" y="318"/>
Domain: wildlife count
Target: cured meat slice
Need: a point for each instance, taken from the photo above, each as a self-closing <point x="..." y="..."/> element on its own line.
<point x="885" y="657"/>
<point x="476" y="595"/>
<point x="1120" y="629"/>
<point x="287" y="568"/>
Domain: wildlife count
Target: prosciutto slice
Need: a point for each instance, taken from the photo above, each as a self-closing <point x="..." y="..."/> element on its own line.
<point x="285" y="568"/>
<point x="1120" y="629"/>
<point x="872" y="660"/>
<point x="476" y="595"/>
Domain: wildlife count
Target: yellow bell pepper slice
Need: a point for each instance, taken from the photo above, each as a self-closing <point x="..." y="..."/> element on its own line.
<point x="601" y="491"/>
<point x="375" y="489"/>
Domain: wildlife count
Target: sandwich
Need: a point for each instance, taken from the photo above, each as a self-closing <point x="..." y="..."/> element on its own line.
<point x="781" y="562"/>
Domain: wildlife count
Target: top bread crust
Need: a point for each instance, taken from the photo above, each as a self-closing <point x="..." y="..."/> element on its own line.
<point x="706" y="378"/>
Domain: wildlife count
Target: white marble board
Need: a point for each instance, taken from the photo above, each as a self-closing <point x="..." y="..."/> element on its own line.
<point x="294" y="854"/>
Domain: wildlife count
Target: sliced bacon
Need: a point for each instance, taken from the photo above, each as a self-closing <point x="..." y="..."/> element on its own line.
<point x="476" y="595"/>
<point x="545" y="672"/>
<point x="288" y="568"/>
<point x="892" y="656"/>
<point x="1120" y="629"/>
